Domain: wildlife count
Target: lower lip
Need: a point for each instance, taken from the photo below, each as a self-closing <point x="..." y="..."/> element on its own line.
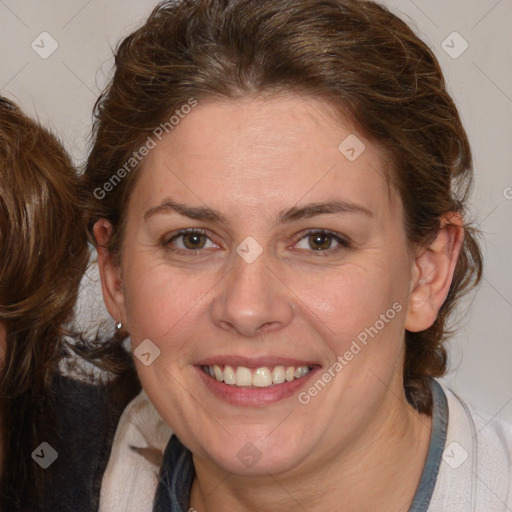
<point x="254" y="396"/>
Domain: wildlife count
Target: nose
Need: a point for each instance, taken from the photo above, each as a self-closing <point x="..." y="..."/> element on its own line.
<point x="253" y="299"/>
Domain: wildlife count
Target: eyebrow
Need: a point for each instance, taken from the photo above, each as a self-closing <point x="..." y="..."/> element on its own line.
<point x="295" y="213"/>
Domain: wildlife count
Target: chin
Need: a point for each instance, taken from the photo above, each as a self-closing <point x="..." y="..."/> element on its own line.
<point x="259" y="454"/>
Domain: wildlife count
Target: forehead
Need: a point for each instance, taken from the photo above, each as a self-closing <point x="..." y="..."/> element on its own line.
<point x="264" y="153"/>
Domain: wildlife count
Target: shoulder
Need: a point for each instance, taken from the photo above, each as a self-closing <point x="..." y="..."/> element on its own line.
<point x="475" y="472"/>
<point x="131" y="477"/>
<point x="86" y="418"/>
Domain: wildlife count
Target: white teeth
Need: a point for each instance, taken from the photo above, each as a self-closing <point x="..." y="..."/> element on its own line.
<point x="217" y="372"/>
<point x="278" y="376"/>
<point x="229" y="375"/>
<point x="261" y="377"/>
<point x="243" y="376"/>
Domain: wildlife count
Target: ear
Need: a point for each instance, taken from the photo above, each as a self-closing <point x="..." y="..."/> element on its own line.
<point x="110" y="272"/>
<point x="433" y="273"/>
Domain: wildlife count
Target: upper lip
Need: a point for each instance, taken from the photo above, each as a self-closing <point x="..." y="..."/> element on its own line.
<point x="254" y="362"/>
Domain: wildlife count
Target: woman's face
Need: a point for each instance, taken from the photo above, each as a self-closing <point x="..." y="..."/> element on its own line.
<point x="295" y="258"/>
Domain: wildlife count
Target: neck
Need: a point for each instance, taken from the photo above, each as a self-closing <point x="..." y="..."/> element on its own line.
<point x="380" y="470"/>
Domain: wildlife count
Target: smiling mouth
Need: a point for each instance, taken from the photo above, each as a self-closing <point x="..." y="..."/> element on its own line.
<point x="263" y="377"/>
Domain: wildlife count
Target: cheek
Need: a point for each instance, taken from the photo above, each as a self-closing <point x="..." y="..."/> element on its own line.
<point x="356" y="302"/>
<point x="160" y="300"/>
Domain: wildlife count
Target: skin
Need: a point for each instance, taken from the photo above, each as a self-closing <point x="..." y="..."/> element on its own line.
<point x="358" y="441"/>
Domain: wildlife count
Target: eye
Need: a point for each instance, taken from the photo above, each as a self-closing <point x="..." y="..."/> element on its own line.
<point x="321" y="240"/>
<point x="189" y="240"/>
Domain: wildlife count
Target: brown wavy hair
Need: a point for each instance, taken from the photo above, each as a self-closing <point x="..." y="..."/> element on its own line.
<point x="356" y="55"/>
<point x="43" y="255"/>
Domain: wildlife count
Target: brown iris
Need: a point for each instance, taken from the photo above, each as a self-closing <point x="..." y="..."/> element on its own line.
<point x="318" y="241"/>
<point x="194" y="241"/>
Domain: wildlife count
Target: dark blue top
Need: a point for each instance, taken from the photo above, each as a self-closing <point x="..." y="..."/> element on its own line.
<point x="177" y="472"/>
<point x="73" y="451"/>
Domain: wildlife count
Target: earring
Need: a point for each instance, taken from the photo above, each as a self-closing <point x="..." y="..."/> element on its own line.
<point x="119" y="325"/>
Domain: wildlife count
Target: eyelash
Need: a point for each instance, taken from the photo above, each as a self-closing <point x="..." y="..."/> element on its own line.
<point x="343" y="242"/>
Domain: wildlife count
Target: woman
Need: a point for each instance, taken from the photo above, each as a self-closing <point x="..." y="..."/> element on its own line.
<point x="55" y="430"/>
<point x="277" y="192"/>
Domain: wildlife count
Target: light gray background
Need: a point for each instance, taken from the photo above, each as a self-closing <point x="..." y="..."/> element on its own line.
<point x="61" y="90"/>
